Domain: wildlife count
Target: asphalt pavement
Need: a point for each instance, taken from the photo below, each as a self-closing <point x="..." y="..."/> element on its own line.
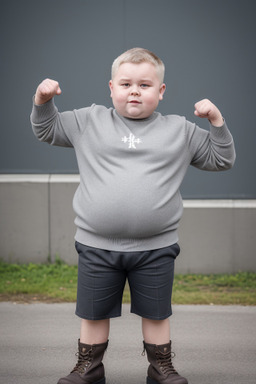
<point x="213" y="344"/>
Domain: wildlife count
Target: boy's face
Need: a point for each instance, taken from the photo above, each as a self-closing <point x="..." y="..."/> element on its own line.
<point x="136" y="90"/>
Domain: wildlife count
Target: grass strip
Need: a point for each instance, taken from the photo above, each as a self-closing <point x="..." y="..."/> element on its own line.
<point x="57" y="282"/>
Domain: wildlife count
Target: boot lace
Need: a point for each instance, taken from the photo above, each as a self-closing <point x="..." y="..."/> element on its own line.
<point x="84" y="361"/>
<point x="164" y="360"/>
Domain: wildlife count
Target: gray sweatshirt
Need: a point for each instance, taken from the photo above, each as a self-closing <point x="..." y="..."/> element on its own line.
<point x="131" y="171"/>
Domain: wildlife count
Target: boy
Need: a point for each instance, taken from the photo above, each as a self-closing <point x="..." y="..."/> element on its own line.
<point x="132" y="161"/>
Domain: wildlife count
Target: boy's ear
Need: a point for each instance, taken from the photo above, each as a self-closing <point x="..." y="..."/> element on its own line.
<point x="110" y="84"/>
<point x="162" y="91"/>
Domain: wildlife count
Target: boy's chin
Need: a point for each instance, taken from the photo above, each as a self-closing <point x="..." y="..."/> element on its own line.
<point x="135" y="116"/>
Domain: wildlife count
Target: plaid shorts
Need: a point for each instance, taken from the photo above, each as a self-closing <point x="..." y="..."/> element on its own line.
<point x="102" y="275"/>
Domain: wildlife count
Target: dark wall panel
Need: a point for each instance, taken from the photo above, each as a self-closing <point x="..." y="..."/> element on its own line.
<point x="208" y="49"/>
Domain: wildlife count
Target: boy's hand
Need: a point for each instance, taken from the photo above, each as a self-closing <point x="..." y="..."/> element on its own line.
<point x="206" y="109"/>
<point x="46" y="91"/>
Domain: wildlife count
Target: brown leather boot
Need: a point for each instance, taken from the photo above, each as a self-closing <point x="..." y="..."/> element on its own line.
<point x="161" y="370"/>
<point x="89" y="368"/>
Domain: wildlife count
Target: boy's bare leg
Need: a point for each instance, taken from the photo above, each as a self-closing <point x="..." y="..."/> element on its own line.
<point x="156" y="331"/>
<point x="94" y="331"/>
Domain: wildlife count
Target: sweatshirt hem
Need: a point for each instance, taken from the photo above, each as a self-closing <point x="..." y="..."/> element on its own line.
<point x="126" y="245"/>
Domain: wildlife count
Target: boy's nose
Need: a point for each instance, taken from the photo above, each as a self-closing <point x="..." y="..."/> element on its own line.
<point x="135" y="91"/>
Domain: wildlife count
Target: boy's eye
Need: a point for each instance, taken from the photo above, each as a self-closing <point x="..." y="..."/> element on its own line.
<point x="125" y="85"/>
<point x="144" y="85"/>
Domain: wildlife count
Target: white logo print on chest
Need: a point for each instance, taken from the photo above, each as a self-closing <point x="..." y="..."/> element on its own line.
<point x="131" y="140"/>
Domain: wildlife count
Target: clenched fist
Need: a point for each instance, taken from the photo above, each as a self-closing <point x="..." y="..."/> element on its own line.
<point x="206" y="109"/>
<point x="46" y="91"/>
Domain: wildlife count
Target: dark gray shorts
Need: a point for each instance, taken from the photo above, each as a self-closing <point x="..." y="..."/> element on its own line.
<point x="102" y="276"/>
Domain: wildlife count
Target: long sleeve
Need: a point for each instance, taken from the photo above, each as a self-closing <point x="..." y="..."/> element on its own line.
<point x="55" y="128"/>
<point x="212" y="150"/>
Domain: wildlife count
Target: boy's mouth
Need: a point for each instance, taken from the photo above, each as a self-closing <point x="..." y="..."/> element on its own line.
<point x="134" y="102"/>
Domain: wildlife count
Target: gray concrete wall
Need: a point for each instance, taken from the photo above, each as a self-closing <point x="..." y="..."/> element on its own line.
<point x="37" y="223"/>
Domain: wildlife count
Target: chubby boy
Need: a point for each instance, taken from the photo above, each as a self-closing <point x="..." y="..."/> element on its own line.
<point x="132" y="161"/>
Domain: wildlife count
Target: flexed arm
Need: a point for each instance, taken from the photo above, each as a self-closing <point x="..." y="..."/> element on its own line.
<point x="214" y="150"/>
<point x="47" y="123"/>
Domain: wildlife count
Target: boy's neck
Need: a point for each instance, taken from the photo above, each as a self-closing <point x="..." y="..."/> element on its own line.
<point x="132" y="122"/>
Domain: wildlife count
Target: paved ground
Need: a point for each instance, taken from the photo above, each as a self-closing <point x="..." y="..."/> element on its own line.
<point x="213" y="344"/>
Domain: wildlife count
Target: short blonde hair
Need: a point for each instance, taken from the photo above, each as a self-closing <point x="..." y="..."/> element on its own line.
<point x="137" y="56"/>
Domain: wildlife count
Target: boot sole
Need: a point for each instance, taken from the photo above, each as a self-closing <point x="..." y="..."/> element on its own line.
<point x="151" y="381"/>
<point x="102" y="381"/>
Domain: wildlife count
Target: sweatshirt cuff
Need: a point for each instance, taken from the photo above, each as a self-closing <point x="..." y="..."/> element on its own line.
<point x="221" y="134"/>
<point x="41" y="113"/>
